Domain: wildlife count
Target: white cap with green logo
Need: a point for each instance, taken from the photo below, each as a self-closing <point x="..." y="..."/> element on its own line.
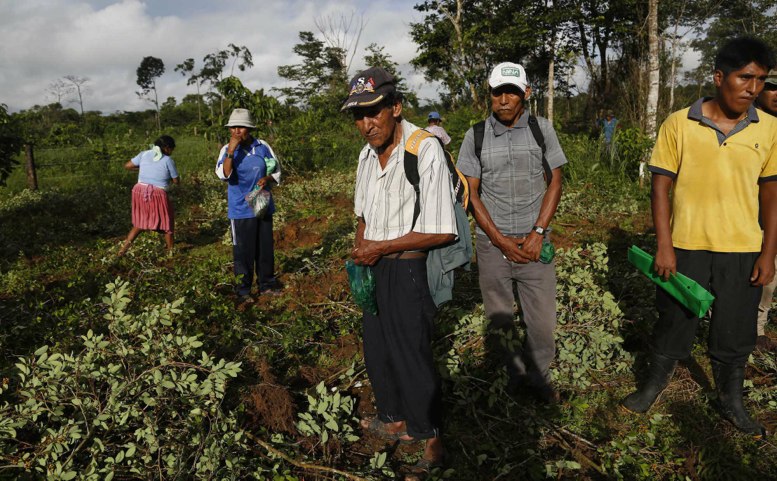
<point x="508" y="73"/>
<point x="772" y="77"/>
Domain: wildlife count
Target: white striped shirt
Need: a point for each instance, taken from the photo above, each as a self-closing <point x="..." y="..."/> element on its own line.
<point x="385" y="198"/>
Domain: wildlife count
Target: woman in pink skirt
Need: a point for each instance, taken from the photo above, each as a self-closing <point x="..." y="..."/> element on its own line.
<point x="151" y="207"/>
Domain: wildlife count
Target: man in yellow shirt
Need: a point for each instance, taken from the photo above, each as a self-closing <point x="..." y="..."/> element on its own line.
<point x="720" y="158"/>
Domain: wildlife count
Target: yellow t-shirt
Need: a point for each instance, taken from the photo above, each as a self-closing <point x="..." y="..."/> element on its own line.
<point x="715" y="202"/>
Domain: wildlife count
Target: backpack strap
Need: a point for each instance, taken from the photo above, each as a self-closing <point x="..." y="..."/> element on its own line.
<point x="412" y="146"/>
<point x="479" y="131"/>
<point x="540" y="139"/>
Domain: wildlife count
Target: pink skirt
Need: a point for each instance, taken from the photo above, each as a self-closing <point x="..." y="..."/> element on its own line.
<point x="152" y="209"/>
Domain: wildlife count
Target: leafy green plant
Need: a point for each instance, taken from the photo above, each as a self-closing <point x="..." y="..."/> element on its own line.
<point x="589" y="318"/>
<point x="629" y="147"/>
<point x="141" y="398"/>
<point x="643" y="454"/>
<point x="329" y="415"/>
<point x="378" y="463"/>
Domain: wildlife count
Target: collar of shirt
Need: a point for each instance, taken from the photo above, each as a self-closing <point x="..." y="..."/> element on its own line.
<point x="251" y="150"/>
<point x="695" y="113"/>
<point x="397" y="155"/>
<point x="499" y="128"/>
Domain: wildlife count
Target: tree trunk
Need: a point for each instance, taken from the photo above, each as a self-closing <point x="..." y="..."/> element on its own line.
<point x="551" y="68"/>
<point x="593" y="89"/>
<point x="80" y="101"/>
<point x="199" y="104"/>
<point x="653" y="70"/>
<point x="158" y="114"/>
<point x="32" y="176"/>
<point x="673" y="56"/>
<point x="653" y="79"/>
<point x="456" y="22"/>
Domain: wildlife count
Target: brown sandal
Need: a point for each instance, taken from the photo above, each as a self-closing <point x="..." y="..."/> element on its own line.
<point x="378" y="428"/>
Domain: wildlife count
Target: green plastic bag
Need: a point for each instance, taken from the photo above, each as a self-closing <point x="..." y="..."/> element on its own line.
<point x="362" y="285"/>
<point x="548" y="252"/>
<point x="687" y="291"/>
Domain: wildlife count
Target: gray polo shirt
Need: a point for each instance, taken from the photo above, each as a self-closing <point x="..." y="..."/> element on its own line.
<point x="510" y="171"/>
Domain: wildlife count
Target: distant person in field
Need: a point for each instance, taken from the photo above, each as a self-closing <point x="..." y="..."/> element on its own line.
<point x="515" y="188"/>
<point x="714" y="169"/>
<point x="394" y="241"/>
<point x="152" y="208"/>
<point x="243" y="164"/>
<point x="608" y="125"/>
<point x="435" y="126"/>
<point x="767" y="101"/>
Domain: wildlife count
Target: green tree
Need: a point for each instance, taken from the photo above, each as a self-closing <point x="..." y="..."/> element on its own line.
<point x="732" y="19"/>
<point x="150" y="69"/>
<point x="10" y="143"/>
<point x="461" y="40"/>
<point x="322" y="71"/>
<point x="214" y="64"/>
<point x="376" y="57"/>
<point x="451" y="50"/>
<point x="187" y="68"/>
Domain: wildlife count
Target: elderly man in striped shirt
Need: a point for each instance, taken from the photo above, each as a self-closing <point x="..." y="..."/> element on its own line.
<point x="397" y="341"/>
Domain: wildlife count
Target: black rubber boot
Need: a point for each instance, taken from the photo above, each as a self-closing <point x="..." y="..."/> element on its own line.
<point x="729" y="383"/>
<point x="659" y="374"/>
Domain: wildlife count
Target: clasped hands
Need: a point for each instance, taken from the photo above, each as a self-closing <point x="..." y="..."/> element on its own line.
<point x="521" y="250"/>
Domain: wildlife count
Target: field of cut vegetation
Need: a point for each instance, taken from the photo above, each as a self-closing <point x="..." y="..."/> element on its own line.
<point x="148" y="367"/>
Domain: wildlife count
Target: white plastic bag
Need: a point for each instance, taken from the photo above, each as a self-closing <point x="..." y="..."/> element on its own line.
<point x="259" y="200"/>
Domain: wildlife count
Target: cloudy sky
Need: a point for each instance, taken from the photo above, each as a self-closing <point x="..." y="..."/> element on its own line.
<point x="104" y="41"/>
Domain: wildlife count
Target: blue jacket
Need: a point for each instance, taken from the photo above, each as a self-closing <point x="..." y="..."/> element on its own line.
<point x="248" y="166"/>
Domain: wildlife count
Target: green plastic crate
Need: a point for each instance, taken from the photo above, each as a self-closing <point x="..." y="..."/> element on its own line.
<point x="687" y="291"/>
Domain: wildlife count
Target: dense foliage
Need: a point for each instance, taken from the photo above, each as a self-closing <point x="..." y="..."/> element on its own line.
<point x="10" y="144"/>
<point x="148" y="367"/>
<point x="168" y="369"/>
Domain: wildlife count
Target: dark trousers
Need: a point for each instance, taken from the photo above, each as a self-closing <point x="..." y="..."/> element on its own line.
<point x="252" y="251"/>
<point x="398" y="347"/>
<point x="734" y="311"/>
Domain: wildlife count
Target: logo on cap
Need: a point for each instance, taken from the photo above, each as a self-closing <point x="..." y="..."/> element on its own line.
<point x="511" y="71"/>
<point x="361" y="86"/>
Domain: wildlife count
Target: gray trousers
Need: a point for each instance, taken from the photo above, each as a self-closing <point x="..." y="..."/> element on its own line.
<point x="536" y="285"/>
<point x="766" y="302"/>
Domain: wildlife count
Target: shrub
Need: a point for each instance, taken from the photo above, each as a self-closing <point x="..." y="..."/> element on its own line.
<point x="589" y="318"/>
<point x="141" y="401"/>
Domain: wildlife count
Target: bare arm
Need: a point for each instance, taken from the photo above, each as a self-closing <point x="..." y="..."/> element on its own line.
<point x="666" y="262"/>
<point x="130" y="166"/>
<point x="176" y="180"/>
<point x="266" y="180"/>
<point x="234" y="141"/>
<point x="532" y="246"/>
<point x="763" y="271"/>
<point x="368" y="252"/>
<point x="360" y="226"/>
<point x="509" y="247"/>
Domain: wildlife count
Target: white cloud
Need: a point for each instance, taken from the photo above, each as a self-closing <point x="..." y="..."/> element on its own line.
<point x="43" y="40"/>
